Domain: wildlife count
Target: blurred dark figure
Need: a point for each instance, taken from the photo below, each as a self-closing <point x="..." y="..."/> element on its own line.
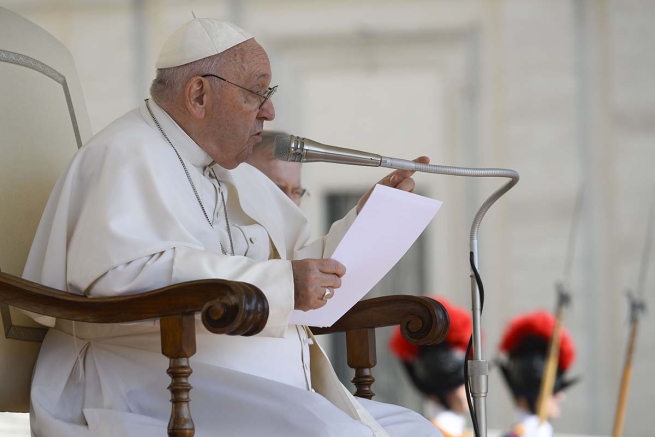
<point x="525" y="348"/>
<point x="438" y="371"/>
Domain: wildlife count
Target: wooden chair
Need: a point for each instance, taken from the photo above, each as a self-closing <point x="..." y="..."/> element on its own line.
<point x="43" y="121"/>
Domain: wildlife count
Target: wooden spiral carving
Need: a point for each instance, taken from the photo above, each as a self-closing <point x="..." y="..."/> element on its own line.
<point x="422" y="320"/>
<point x="242" y="312"/>
<point x="228" y="307"/>
<point x="427" y="324"/>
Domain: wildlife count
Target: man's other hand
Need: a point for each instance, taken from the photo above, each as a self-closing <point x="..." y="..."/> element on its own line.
<point x="400" y="179"/>
<point x="311" y="277"/>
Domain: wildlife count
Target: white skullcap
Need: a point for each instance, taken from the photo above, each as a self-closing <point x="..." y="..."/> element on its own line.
<point x="198" y="39"/>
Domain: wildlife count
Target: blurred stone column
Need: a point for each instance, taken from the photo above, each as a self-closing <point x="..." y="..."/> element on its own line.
<point x="596" y="298"/>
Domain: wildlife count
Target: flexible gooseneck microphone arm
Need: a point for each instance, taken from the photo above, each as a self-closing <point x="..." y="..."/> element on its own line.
<point x="478" y="368"/>
<point x="298" y="149"/>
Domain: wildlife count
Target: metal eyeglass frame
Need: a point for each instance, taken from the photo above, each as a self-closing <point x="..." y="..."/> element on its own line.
<point x="301" y="193"/>
<point x="267" y="95"/>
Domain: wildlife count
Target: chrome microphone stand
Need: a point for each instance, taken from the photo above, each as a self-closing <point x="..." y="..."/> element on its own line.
<point x="478" y="368"/>
<point x="298" y="149"/>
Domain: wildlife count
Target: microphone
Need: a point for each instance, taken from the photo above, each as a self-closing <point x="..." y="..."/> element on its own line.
<point x="297" y="149"/>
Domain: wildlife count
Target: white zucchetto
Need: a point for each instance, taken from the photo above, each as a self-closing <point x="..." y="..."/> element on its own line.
<point x="198" y="39"/>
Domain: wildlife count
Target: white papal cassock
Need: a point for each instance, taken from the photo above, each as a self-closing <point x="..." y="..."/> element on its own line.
<point x="124" y="219"/>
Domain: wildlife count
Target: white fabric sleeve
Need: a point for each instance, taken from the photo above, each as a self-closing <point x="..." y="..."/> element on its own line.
<point x="182" y="264"/>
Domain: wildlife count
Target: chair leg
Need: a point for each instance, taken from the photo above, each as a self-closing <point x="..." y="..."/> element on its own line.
<point x="178" y="343"/>
<point x="362" y="357"/>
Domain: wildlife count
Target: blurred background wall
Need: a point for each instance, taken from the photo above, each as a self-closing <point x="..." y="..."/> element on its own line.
<point x="560" y="90"/>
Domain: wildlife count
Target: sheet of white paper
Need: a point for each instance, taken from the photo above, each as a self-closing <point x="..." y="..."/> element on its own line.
<point x="381" y="234"/>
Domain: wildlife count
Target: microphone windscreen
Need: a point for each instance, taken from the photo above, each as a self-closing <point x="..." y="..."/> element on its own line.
<point x="282" y="147"/>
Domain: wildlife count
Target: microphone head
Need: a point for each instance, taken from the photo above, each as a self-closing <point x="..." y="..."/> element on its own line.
<point x="282" y="147"/>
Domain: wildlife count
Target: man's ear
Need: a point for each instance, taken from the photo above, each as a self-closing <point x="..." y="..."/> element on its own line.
<point x="196" y="97"/>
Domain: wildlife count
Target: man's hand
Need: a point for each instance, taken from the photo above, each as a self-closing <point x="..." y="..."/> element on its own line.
<point x="400" y="179"/>
<point x="310" y="279"/>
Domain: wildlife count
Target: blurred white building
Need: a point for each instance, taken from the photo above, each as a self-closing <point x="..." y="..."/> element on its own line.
<point x="560" y="90"/>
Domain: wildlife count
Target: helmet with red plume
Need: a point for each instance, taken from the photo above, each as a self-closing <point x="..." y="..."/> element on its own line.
<point x="438" y="369"/>
<point x="525" y="346"/>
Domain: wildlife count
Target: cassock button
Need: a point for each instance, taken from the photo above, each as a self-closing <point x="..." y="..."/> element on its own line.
<point x="252" y="240"/>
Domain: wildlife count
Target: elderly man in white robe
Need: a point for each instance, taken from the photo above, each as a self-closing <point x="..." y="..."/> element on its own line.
<point x="162" y="196"/>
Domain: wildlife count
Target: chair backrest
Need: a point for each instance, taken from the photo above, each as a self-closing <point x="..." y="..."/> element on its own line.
<point x="43" y="121"/>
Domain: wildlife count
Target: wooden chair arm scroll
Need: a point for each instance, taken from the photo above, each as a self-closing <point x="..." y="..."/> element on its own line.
<point x="422" y="320"/>
<point x="227" y="307"/>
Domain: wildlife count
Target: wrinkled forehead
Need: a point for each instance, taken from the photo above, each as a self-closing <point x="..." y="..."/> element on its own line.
<point x="249" y="59"/>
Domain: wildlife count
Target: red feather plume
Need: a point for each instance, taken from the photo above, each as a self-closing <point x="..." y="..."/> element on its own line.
<point x="458" y="335"/>
<point x="402" y="348"/>
<point x="540" y="324"/>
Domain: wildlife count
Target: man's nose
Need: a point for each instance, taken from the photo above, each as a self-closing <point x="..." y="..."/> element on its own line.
<point x="267" y="111"/>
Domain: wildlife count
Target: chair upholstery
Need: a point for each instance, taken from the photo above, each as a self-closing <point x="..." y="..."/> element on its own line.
<point x="43" y="121"/>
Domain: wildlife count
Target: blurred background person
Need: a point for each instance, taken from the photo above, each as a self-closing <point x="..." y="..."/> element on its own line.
<point x="438" y="371"/>
<point x="286" y="175"/>
<point x="525" y="346"/>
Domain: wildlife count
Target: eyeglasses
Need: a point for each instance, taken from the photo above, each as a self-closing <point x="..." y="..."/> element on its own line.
<point x="299" y="193"/>
<point x="264" y="96"/>
<point x="295" y="194"/>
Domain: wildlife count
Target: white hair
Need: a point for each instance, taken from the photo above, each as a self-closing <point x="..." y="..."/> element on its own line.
<point x="169" y="83"/>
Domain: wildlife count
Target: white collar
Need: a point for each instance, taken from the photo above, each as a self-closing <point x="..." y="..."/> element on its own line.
<point x="183" y="143"/>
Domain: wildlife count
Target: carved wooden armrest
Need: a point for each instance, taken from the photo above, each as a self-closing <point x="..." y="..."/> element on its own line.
<point x="422" y="320"/>
<point x="228" y="307"/>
